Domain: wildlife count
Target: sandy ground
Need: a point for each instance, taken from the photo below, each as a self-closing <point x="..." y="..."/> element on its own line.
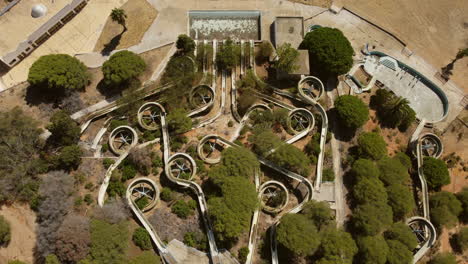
<point x="23" y="230"/>
<point x="321" y="3"/>
<point x="454" y="140"/>
<point x="434" y="29"/>
<point x="140" y="16"/>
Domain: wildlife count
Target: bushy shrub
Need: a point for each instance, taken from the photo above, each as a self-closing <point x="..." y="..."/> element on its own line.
<point x="142" y="238"/>
<point x="5" y="231"/>
<point x="182" y="209"/>
<point x="353" y="113"/>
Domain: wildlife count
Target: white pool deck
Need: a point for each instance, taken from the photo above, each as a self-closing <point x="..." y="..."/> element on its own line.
<point x="425" y="102"/>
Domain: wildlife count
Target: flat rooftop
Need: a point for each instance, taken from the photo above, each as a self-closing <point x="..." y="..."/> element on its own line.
<point x="18" y="23"/>
<point x="425" y="102"/>
<point x="289" y="30"/>
<point x="213" y="24"/>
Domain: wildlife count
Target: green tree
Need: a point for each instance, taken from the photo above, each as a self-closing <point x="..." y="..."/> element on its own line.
<point x="60" y="74"/>
<point x="228" y="55"/>
<point x="461" y="239"/>
<point x="178" y="121"/>
<point x="242" y="254"/>
<point x="118" y="15"/>
<point x="372" y="145"/>
<point x="338" y="244"/>
<point x="65" y="131"/>
<point x="402" y="233"/>
<point x="372" y="250"/>
<point x="369" y="191"/>
<point x="329" y="49"/>
<point x="52" y="259"/>
<point x="109" y="242"/>
<point x="142" y="238"/>
<point x="245" y="101"/>
<point x="232" y="210"/>
<point x="19" y="162"/>
<point x="364" y="169"/>
<point x="166" y="194"/>
<point x="319" y="212"/>
<point x="298" y="234"/>
<point x="264" y="142"/>
<point x="462" y="196"/>
<point x="436" y="172"/>
<point x="122" y="67"/>
<point x="445" y="208"/>
<point x="287" y="58"/>
<point x="404" y="159"/>
<point x="352" y="112"/>
<point x="5" y="231"/>
<point x="182" y="209"/>
<point x="444" y="258"/>
<point x="265" y="50"/>
<point x="145" y="258"/>
<point x="371" y="219"/>
<point x="393" y="110"/>
<point x="70" y="157"/>
<point x="185" y="43"/>
<point x="398" y="253"/>
<point x="240" y="161"/>
<point x="392" y="171"/>
<point x="291" y="158"/>
<point x="401" y="199"/>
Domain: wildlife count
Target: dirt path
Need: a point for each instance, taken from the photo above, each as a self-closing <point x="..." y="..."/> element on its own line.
<point x="23" y="233"/>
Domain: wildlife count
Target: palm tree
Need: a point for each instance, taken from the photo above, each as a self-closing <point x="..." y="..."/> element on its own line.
<point x="399" y="111"/>
<point x="118" y="15"/>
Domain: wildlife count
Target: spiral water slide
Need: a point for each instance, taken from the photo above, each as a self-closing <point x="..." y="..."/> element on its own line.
<point x="168" y="159"/>
<point x="427" y="234"/>
<point x="139" y="214"/>
<point x="287" y="173"/>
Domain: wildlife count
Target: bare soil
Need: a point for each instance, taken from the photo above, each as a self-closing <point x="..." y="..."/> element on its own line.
<point x="140" y="16"/>
<point x="454" y="141"/>
<point x="23" y="233"/>
<point x="153" y="58"/>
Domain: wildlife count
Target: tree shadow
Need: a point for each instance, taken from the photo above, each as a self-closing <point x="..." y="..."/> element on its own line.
<point x="341" y="132"/>
<point x="453" y="243"/>
<point x="112" y="44"/>
<point x="39" y="94"/>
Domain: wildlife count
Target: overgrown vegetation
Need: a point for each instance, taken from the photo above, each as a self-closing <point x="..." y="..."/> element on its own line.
<point x="228" y="55"/>
<point x="287" y="58"/>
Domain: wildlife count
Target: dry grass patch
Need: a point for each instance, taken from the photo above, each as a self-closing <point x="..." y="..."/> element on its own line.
<point x="140" y="16"/>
